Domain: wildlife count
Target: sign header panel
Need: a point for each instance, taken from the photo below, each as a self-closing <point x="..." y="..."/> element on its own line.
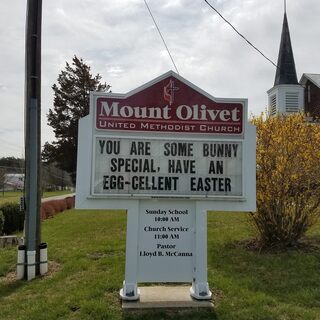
<point x="169" y="105"/>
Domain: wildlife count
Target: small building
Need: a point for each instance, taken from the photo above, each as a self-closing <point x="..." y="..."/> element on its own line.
<point x="14" y="181"/>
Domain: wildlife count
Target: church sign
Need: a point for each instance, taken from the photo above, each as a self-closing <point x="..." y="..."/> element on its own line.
<point x="166" y="152"/>
<point x="169" y="106"/>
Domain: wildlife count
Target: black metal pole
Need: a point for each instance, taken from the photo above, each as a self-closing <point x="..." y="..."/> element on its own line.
<point x="33" y="136"/>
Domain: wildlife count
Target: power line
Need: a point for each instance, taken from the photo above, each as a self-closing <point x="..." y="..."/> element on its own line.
<point x="155" y="23"/>
<point x="242" y="36"/>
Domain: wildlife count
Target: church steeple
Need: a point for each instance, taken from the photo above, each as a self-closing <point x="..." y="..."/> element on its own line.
<point x="286" y="71"/>
<point x="286" y="96"/>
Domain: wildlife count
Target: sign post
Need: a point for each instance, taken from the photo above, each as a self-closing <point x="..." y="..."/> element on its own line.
<point x="33" y="140"/>
<point x="166" y="152"/>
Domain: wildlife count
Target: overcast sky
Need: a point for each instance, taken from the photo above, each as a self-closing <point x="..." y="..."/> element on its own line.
<point x="118" y="39"/>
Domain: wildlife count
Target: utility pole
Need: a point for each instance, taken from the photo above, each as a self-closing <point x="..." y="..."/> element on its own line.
<point x="32" y="139"/>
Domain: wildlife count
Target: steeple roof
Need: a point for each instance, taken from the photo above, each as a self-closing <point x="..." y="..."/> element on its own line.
<point x="286" y="71"/>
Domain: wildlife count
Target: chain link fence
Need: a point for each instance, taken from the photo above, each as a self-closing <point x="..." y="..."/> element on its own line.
<point x="12" y="178"/>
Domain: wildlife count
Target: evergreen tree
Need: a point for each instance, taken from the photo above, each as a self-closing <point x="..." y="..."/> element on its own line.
<point x="12" y="164"/>
<point x="71" y="102"/>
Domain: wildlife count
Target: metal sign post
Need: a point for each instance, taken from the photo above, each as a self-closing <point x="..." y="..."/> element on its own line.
<point x="33" y="138"/>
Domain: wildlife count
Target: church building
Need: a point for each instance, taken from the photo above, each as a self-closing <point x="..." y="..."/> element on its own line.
<point x="287" y="94"/>
<point x="311" y="85"/>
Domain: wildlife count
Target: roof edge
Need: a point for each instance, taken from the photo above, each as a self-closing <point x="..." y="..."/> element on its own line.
<point x="306" y="76"/>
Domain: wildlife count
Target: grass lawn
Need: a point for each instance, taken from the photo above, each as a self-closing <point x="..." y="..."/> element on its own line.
<point x="88" y="251"/>
<point x="14" y="196"/>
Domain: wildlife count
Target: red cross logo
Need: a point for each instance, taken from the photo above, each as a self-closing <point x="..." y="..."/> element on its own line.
<point x="168" y="92"/>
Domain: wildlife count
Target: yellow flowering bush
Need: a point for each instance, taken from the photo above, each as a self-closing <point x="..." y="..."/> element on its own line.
<point x="288" y="178"/>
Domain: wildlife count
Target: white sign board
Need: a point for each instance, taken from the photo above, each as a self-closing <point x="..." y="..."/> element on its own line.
<point x="166" y="242"/>
<point x="167" y="153"/>
<point x="142" y="167"/>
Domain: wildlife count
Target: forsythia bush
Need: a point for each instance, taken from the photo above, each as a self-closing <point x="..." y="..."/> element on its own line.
<point x="288" y="178"/>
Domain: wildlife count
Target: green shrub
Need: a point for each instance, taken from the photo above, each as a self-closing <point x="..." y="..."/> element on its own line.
<point x="1" y="223"/>
<point x="13" y="218"/>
